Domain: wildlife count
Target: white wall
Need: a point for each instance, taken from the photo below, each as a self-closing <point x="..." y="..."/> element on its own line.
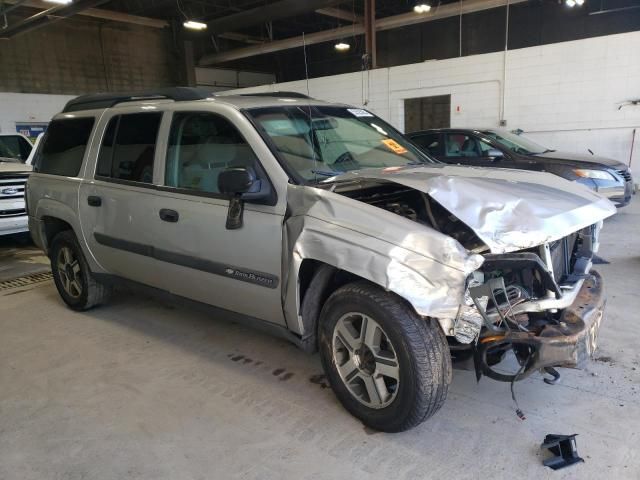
<point x="564" y="95"/>
<point x="223" y="79"/>
<point x="28" y="108"/>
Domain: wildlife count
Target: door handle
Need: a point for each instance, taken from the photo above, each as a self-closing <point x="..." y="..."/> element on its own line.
<point x="94" y="201"/>
<point x="169" y="215"/>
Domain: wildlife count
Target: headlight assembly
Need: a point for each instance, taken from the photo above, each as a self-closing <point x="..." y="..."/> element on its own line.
<point x="597" y="174"/>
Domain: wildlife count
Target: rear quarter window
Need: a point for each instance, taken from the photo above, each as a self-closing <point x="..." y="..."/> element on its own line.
<point x="64" y="146"/>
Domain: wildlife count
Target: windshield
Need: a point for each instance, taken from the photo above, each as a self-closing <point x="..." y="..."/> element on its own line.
<point x="516" y="143"/>
<point x="318" y="142"/>
<point x="14" y="149"/>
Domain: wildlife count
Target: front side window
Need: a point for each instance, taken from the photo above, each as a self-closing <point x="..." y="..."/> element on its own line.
<point x="462" y="145"/>
<point x="64" y="146"/>
<point x="317" y="142"/>
<point x="201" y="146"/>
<point x="128" y="147"/>
<point x="430" y="142"/>
<point x="14" y="148"/>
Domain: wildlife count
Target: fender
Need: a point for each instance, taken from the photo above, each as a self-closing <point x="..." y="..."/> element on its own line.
<point x="432" y="288"/>
<point x="425" y="267"/>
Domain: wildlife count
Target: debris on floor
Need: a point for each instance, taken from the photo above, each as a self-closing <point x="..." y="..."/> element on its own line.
<point x="564" y="450"/>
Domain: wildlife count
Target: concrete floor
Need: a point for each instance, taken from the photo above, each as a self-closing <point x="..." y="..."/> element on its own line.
<point x="142" y="390"/>
<point x="18" y="256"/>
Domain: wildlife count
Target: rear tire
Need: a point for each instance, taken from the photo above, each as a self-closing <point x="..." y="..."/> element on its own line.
<point x="72" y="276"/>
<point x="388" y="366"/>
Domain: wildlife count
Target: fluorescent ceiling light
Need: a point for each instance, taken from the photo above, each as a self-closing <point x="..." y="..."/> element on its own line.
<point x="59" y="2"/>
<point x="579" y="2"/>
<point x="193" y="25"/>
<point x="422" y="8"/>
<point x="342" y="46"/>
<point x="571" y="3"/>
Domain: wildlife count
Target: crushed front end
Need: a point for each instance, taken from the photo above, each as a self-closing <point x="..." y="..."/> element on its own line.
<point x="532" y="309"/>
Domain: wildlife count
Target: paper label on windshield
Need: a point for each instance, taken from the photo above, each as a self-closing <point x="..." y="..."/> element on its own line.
<point x="394" y="146"/>
<point x="358" y="112"/>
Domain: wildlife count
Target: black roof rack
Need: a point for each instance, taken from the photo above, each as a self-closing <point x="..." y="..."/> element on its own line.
<point x="276" y="94"/>
<point x="106" y="100"/>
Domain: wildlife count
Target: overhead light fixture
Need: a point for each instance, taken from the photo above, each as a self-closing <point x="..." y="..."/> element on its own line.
<point x="579" y="2"/>
<point x="422" y="8"/>
<point x="193" y="25"/>
<point x="342" y="46"/>
<point x="59" y="2"/>
<point x="570" y="3"/>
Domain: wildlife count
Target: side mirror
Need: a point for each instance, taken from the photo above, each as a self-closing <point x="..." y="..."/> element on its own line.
<point x="237" y="181"/>
<point x="495" y="154"/>
<point x="240" y="184"/>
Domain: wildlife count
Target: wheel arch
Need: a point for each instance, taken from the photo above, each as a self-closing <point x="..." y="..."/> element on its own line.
<point x="54" y="217"/>
<point x="317" y="280"/>
<point x="52" y="226"/>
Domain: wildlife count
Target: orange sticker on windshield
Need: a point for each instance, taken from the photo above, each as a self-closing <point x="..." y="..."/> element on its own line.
<point x="394" y="146"/>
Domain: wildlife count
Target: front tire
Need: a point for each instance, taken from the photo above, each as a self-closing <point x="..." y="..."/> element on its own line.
<point x="388" y="366"/>
<point x="72" y="276"/>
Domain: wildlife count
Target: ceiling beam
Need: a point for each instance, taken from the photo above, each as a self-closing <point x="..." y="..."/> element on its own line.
<point x="125" y="18"/>
<point x="443" y="11"/>
<point x="278" y="45"/>
<point x="267" y="13"/>
<point x="47" y="17"/>
<point x="98" y="13"/>
<point x="241" y="37"/>
<point x="341" y="14"/>
<point x="385" y="23"/>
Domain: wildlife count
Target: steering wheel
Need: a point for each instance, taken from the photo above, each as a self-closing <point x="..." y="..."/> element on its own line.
<point x="346" y="157"/>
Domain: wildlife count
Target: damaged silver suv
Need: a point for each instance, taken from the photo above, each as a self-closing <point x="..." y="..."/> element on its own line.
<point x="321" y="223"/>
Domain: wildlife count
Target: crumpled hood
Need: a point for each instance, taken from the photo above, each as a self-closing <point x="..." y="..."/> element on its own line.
<point x="11" y="167"/>
<point x="508" y="210"/>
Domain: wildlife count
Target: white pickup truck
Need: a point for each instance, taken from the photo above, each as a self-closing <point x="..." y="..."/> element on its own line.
<point x="15" y="150"/>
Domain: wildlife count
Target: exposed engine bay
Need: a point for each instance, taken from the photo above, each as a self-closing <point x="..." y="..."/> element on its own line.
<point x="417" y="206"/>
<point x="518" y="306"/>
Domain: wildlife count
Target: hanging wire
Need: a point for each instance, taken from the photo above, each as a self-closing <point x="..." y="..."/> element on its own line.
<point x="306" y="66"/>
<point x="181" y="10"/>
<point x="311" y="131"/>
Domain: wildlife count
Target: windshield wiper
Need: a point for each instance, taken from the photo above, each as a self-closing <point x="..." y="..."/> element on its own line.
<point x="326" y="173"/>
<point x="548" y="150"/>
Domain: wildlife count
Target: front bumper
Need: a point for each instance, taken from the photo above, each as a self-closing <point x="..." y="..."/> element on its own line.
<point x="13" y="224"/>
<point x="573" y="341"/>
<point x="618" y="192"/>
<point x="569" y="343"/>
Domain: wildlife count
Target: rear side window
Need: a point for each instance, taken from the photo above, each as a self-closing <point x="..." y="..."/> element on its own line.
<point x="64" y="145"/>
<point x="128" y="147"/>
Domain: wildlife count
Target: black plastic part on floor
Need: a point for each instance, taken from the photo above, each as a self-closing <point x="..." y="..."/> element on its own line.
<point x="564" y="450"/>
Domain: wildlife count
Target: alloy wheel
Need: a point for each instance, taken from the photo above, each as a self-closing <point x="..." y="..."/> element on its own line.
<point x="366" y="360"/>
<point x="69" y="272"/>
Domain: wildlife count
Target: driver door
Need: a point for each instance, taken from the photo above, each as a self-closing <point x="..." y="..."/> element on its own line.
<point x="199" y="258"/>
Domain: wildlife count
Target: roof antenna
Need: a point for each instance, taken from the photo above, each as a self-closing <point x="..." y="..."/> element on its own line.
<point x="306" y="68"/>
<point x="311" y="128"/>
